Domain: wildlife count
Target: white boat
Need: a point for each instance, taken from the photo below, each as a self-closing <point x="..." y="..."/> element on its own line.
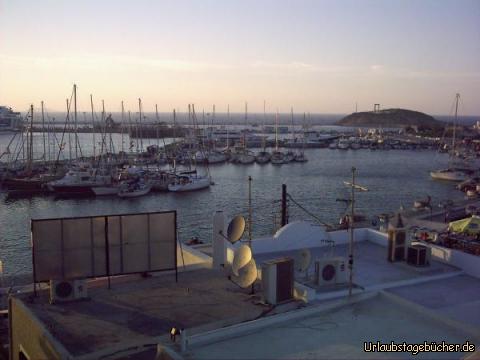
<point x="80" y="181"/>
<point x="246" y="157"/>
<point x="300" y="157"/>
<point x="135" y="190"/>
<point x="262" y="157"/>
<point x="106" y="190"/>
<point x="449" y="175"/>
<point x="333" y="145"/>
<point x="9" y="120"/>
<point x="189" y="182"/>
<point x="343" y="144"/>
<point x="216" y="157"/>
<point x="289" y="156"/>
<point x="278" y="158"/>
<point x="452" y="173"/>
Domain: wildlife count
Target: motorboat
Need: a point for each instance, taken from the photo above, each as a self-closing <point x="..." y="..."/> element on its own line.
<point x="450" y="174"/>
<point x="81" y="181"/>
<point x="343" y="144"/>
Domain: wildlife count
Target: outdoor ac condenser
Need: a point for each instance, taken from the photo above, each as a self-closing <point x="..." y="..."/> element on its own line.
<point x="330" y="271"/>
<point x="67" y="290"/>
<point x="277" y="280"/>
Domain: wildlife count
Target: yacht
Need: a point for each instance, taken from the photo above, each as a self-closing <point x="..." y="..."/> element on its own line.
<point x="263" y="157"/>
<point x="9" y="120"/>
<point x="189" y="182"/>
<point x="81" y="181"/>
<point x="278" y="158"/>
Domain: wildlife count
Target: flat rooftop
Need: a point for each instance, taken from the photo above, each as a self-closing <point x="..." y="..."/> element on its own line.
<point x="340" y="334"/>
<point x="371" y="267"/>
<point x="457" y="297"/>
<point x="139" y="309"/>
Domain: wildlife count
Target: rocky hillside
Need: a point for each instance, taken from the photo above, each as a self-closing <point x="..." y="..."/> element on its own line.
<point x="391" y="118"/>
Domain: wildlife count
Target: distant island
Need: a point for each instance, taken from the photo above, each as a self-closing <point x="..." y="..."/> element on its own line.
<point x="392" y="118"/>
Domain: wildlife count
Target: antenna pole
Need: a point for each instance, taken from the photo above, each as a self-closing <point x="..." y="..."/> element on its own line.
<point x="284" y="205"/>
<point x="250" y="212"/>
<point x="352" y="217"/>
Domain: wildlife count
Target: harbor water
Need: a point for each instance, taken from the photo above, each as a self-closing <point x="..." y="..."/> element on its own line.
<point x="394" y="178"/>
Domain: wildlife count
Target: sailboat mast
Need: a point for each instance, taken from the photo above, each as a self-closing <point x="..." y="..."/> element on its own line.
<point x="140" y="122"/>
<point x="264" y="145"/>
<point x="245" y="130"/>
<point x="93" y="126"/>
<point x="75" y="118"/>
<point x="30" y="149"/>
<point x="123" y="128"/>
<point x="43" y="133"/>
<point x="69" y="133"/>
<point x="158" y="125"/>
<point x="457" y="97"/>
<point x="276" y="131"/>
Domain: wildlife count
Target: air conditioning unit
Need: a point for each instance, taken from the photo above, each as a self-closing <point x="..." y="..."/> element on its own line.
<point x="419" y="255"/>
<point x="396" y="246"/>
<point x="277" y="280"/>
<point x="331" y="271"/>
<point x="67" y="290"/>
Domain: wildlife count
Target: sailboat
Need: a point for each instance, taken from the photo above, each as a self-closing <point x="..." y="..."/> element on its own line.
<point x="300" y="156"/>
<point x="278" y="157"/>
<point x="263" y="156"/>
<point x="189" y="180"/>
<point x="453" y="172"/>
<point x="246" y="156"/>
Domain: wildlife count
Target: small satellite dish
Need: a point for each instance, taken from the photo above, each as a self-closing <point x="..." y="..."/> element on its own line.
<point x="242" y="257"/>
<point x="302" y="260"/>
<point x="246" y="275"/>
<point x="235" y="229"/>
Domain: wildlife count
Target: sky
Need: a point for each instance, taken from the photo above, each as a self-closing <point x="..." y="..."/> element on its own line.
<point x="316" y="56"/>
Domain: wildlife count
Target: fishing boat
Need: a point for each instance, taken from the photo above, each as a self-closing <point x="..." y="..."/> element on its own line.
<point x="189" y="182"/>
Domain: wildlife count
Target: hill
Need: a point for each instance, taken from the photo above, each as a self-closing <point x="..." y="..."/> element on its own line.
<point x="391" y="118"/>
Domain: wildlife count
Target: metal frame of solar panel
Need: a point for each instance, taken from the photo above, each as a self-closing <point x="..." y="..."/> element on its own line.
<point x="104" y="245"/>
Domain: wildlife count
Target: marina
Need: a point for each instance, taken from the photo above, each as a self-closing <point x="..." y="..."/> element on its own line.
<point x="246" y="180"/>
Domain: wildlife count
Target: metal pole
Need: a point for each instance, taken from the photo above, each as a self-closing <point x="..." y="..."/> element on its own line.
<point x="284" y="205"/>
<point x="250" y="212"/>
<point x="352" y="217"/>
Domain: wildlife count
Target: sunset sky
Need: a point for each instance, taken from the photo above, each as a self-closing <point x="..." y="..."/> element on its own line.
<point x="314" y="55"/>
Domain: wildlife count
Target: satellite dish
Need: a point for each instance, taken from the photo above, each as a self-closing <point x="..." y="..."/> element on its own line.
<point x="302" y="260"/>
<point x="235" y="229"/>
<point x="246" y="275"/>
<point x="242" y="257"/>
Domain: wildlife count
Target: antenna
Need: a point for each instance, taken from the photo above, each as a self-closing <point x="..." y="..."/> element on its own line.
<point x="235" y="229"/>
<point x="246" y="275"/>
<point x="243" y="255"/>
<point x="303" y="260"/>
<point x="351" y="222"/>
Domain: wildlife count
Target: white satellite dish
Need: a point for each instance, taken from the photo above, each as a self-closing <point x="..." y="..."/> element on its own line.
<point x="303" y="260"/>
<point x="236" y="228"/>
<point x="243" y="255"/>
<point x="246" y="275"/>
